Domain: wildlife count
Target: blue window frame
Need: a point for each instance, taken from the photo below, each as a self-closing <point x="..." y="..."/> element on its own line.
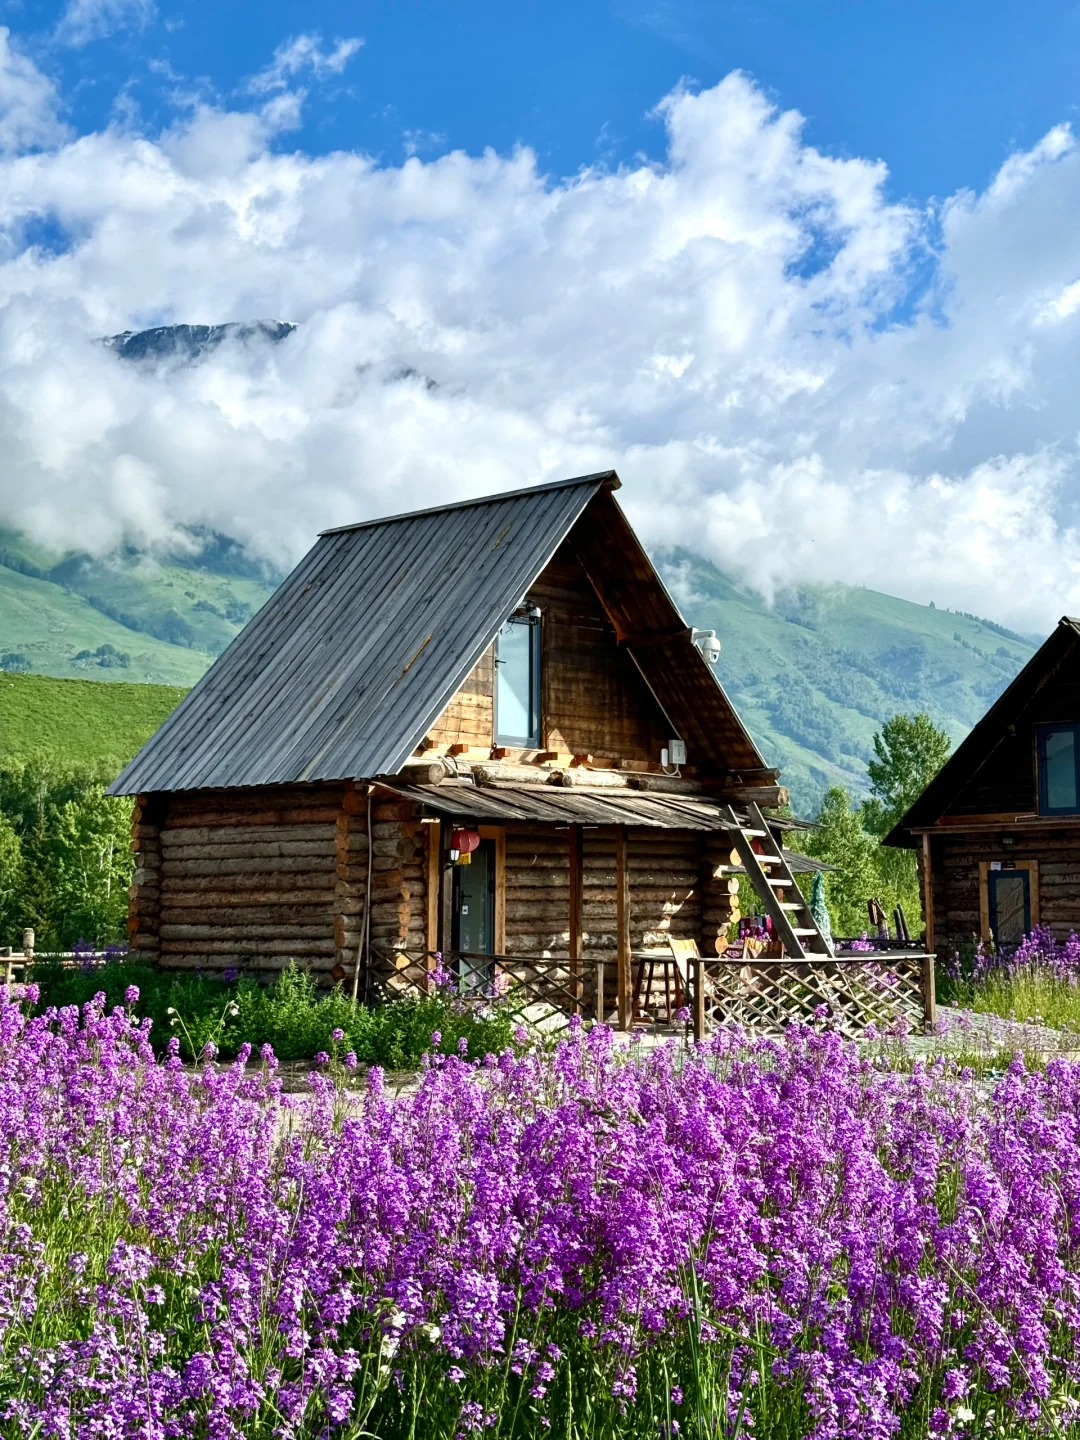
<point x="517" y="682"/>
<point x="1059" y="769"/>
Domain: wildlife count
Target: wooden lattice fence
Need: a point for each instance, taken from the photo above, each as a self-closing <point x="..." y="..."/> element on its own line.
<point x="848" y="992"/>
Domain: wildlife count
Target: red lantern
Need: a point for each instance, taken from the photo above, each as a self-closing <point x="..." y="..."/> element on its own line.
<point x="464" y="842"/>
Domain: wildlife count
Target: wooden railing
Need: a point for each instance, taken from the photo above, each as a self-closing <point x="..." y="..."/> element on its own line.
<point x="543" y="990"/>
<point x="849" y="992"/>
<point x="886" y="989"/>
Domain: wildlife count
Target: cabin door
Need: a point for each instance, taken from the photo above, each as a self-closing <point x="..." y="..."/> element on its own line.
<point x="473" y="928"/>
<point x="1010" y="905"/>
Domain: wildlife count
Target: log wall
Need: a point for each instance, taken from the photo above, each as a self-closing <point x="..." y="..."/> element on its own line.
<point x="955" y="879"/>
<point x="399" y="882"/>
<point x="253" y="879"/>
<point x="249" y="879"/>
<point x="664" y="875"/>
<point x="144" y="906"/>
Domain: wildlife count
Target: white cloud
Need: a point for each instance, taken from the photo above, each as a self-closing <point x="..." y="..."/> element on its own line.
<point x="86" y="20"/>
<point x="28" y="102"/>
<point x="720" y="327"/>
<point x="303" y="53"/>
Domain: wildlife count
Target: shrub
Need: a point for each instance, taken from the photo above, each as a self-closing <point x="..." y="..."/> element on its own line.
<point x="290" y="1015"/>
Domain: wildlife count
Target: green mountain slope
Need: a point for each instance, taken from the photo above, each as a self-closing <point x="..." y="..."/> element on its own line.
<point x="159" y="621"/>
<point x="83" y="721"/>
<point x="816" y="673"/>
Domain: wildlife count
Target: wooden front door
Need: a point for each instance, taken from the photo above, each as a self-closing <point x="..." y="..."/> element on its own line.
<point x="1009" y="896"/>
<point x="473" y="918"/>
<point x="1008" y="899"/>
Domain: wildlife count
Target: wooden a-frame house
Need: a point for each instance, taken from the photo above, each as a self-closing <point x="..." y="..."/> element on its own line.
<point x="505" y="679"/>
<point x="997" y="831"/>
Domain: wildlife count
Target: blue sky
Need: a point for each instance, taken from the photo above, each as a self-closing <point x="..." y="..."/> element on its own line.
<point x="941" y="89"/>
<point x="806" y="275"/>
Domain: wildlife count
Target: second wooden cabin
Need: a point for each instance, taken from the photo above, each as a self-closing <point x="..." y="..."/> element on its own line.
<point x="481" y="730"/>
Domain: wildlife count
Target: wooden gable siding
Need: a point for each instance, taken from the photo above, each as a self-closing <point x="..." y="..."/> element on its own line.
<point x="469" y="718"/>
<point x="594" y="700"/>
<point x="1005" y="783"/>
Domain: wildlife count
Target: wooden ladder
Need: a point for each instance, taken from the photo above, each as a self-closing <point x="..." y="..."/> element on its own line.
<point x="792" y="918"/>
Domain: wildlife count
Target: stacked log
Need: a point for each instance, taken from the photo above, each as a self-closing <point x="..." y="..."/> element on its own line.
<point x="144" y="908"/>
<point x="501" y="772"/>
<point x="665" y="784"/>
<point x="247" y="879"/>
<point x="719" y="892"/>
<point x="423" y="772"/>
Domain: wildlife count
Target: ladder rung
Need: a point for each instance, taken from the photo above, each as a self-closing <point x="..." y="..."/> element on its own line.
<point x="791" y="905"/>
<point x="803" y="932"/>
<point x="767" y="859"/>
<point x="754" y="834"/>
<point x="779" y="880"/>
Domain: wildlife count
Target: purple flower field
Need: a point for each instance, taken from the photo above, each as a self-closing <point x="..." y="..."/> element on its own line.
<point x="758" y="1238"/>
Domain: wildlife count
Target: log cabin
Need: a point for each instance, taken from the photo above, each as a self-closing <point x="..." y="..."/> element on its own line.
<point x="997" y="832"/>
<point x="482" y="731"/>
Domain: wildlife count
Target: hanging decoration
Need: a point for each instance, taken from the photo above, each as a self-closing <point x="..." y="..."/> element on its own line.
<point x="462" y="844"/>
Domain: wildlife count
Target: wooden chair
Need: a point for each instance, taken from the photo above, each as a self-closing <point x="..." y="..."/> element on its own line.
<point x="682" y="952"/>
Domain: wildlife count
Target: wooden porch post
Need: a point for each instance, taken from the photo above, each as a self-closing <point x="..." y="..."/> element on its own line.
<point x="697" y="966"/>
<point x="622" y="925"/>
<point x="434" y="887"/>
<point x="928" y="892"/>
<point x="929" y="991"/>
<point x="576" y="901"/>
<point x="446" y="896"/>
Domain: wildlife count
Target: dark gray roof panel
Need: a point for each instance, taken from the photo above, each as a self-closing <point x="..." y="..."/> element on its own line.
<point x="352" y="660"/>
<point x="567" y="806"/>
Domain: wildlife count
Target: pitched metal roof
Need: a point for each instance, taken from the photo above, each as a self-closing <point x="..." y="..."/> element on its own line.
<point x="981" y="741"/>
<point x="350" y="662"/>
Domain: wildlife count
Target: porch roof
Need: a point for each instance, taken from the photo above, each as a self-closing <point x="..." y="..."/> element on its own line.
<point x="463" y="801"/>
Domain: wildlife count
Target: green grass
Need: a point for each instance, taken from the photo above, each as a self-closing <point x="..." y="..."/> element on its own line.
<point x="170" y="615"/>
<point x="80" y="721"/>
<point x="1031" y="995"/>
<point x="50" y="626"/>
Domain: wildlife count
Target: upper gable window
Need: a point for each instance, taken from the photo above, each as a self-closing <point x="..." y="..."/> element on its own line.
<point x="517" y="683"/>
<point x="1059" y="769"/>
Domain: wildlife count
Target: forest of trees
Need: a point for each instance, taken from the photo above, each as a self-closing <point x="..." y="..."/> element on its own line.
<point x="909" y="750"/>
<point x="65" y="855"/>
